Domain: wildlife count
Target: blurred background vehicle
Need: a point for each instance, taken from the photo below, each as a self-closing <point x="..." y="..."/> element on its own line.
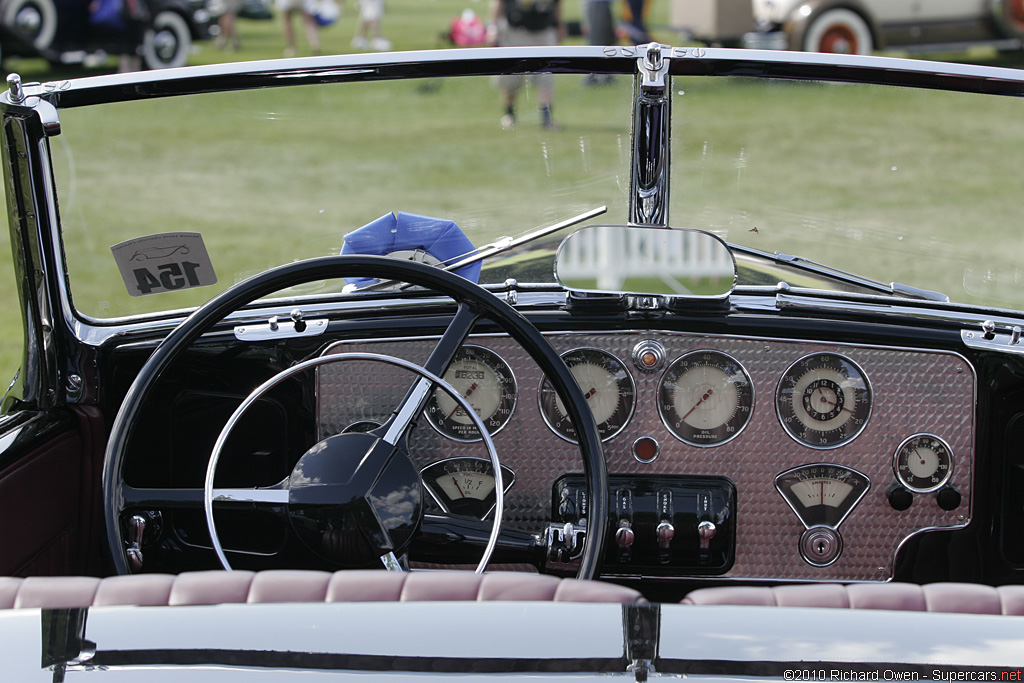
<point x="60" y="32"/>
<point x="852" y="26"/>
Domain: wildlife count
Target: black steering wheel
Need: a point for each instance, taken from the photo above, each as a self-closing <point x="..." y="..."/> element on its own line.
<point x="383" y="456"/>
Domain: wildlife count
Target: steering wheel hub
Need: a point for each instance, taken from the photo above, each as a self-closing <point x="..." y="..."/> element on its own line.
<point x="353" y="498"/>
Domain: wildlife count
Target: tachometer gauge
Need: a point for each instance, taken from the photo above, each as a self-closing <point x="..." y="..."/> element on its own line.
<point x="823" y="400"/>
<point x="465" y="486"/>
<point x="705" y="398"/>
<point x="486" y="381"/>
<point x="822" y="494"/>
<point x="923" y="463"/>
<point x="607" y="386"/>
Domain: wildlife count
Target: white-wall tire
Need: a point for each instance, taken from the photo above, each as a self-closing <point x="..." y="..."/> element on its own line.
<point x="168" y="41"/>
<point x="839" y="31"/>
<point x="35" y="19"/>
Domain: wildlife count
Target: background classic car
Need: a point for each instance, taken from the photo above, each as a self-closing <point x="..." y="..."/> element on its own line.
<point x="261" y="366"/>
<point x="60" y="32"/>
<point x="854" y="26"/>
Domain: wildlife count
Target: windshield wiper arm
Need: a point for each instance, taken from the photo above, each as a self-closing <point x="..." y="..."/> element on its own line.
<point x="506" y="243"/>
<point x="836" y="274"/>
<point x="496" y="247"/>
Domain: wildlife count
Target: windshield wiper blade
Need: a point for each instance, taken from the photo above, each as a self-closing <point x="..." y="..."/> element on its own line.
<point x="836" y="274"/>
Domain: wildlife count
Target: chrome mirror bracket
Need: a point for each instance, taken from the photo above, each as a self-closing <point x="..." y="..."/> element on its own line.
<point x="649" y="176"/>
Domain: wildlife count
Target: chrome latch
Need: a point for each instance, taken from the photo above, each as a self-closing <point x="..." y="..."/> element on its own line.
<point x="295" y="325"/>
<point x="993" y="338"/>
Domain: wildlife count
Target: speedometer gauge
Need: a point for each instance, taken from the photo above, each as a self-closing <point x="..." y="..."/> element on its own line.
<point x="705" y="398"/>
<point x="823" y="400"/>
<point x="607" y="386"/>
<point x="486" y="381"/>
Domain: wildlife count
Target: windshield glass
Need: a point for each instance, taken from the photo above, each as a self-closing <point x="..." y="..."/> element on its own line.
<point x="912" y="186"/>
<point x="271" y="176"/>
<point x="894" y="184"/>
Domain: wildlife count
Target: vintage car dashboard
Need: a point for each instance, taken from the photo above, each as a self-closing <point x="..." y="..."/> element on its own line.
<point x="730" y="457"/>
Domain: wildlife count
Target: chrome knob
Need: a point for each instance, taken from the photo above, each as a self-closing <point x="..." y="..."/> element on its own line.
<point x="666" y="532"/>
<point x="624" y="535"/>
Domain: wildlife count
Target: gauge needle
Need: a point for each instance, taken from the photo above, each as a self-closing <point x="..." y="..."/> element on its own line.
<point x="456" y="482"/>
<point x="822" y="493"/>
<point x="703" y="398"/>
<point x="824" y="399"/>
<point x="469" y="391"/>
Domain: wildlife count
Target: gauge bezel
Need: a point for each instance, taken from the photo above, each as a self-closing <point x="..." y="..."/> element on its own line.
<point x="784" y="482"/>
<point x="747" y="403"/>
<point x="794" y="373"/>
<point x="949" y="469"/>
<point x="546" y="389"/>
<point x="430" y="477"/>
<point x="508" y="394"/>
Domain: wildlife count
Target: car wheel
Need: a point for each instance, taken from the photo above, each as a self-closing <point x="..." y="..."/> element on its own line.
<point x="35" y="20"/>
<point x="1009" y="14"/>
<point x="168" y="41"/>
<point x="839" y="30"/>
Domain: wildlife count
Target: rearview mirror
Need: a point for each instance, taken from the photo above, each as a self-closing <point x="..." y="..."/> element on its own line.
<point x="639" y="260"/>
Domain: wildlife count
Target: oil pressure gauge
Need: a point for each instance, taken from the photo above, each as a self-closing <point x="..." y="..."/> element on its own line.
<point x="705" y="398"/>
<point x="923" y="463"/>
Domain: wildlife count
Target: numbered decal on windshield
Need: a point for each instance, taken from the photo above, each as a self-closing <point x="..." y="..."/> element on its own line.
<point x="164" y="263"/>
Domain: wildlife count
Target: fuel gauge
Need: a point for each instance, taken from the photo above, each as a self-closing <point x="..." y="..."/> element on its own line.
<point x="465" y="486"/>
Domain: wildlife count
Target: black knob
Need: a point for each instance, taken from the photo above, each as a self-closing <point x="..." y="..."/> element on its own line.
<point x="948" y="498"/>
<point x="899" y="497"/>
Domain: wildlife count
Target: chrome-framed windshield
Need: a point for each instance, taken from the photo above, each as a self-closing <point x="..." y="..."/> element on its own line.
<point x="364" y="142"/>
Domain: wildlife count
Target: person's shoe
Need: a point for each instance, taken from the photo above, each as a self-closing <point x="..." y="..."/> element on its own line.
<point x="360" y="43"/>
<point x="508" y="122"/>
<point x="289" y="52"/>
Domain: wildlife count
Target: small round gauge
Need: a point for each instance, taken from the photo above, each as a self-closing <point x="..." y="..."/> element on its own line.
<point x="465" y="486"/>
<point x="483" y="379"/>
<point x="607" y="386"/>
<point x="705" y="398"/>
<point x="923" y="463"/>
<point x="823" y="400"/>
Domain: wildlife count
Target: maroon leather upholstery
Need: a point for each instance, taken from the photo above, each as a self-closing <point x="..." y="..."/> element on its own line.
<point x="217" y="587"/>
<point x="966" y="598"/>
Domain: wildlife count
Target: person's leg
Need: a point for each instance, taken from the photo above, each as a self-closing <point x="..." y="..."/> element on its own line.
<point x="312" y="32"/>
<point x="289" y="33"/>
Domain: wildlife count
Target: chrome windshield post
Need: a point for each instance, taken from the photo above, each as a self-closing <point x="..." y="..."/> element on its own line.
<point x="28" y="120"/>
<point x="649" y="176"/>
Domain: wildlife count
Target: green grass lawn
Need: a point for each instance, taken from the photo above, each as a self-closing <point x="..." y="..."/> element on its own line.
<point x="746" y="133"/>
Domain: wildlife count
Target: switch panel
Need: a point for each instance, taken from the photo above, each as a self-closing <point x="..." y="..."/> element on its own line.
<point x="660" y="525"/>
